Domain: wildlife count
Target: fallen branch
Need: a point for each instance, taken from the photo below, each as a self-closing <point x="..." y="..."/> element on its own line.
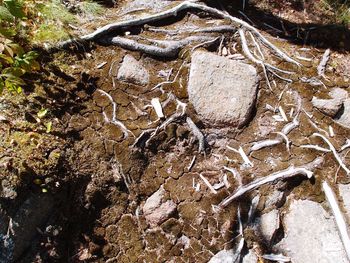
<point x="322" y="66"/>
<point x="243" y="155"/>
<point x="284" y="174"/>
<point x="339" y="219"/>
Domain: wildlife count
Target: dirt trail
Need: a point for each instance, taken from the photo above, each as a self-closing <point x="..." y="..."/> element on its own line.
<point x="102" y="180"/>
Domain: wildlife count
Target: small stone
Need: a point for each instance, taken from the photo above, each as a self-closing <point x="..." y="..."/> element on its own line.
<point x="156" y="211"/>
<point x="250" y="257"/>
<point x="269" y="224"/>
<point x="338" y="93"/>
<point x="224" y="256"/>
<point x="329" y="107"/>
<point x="222" y="91"/>
<point x="311" y="235"/>
<point x="133" y="71"/>
<point x="344" y="118"/>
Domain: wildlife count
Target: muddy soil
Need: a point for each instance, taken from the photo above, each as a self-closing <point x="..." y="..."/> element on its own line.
<point x="92" y="181"/>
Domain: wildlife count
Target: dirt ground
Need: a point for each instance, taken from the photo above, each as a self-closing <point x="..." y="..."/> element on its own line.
<point x="90" y="182"/>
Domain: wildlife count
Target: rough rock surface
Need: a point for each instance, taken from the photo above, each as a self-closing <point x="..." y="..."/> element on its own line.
<point x="156" y="211"/>
<point x="224" y="256"/>
<point x="338" y="93"/>
<point x="133" y="71"/>
<point x="222" y="91"/>
<point x="250" y="257"/>
<point x="344" y="191"/>
<point x="311" y="235"/>
<point x="142" y="5"/>
<point x="329" y="107"/>
<point x="344" y="118"/>
<point x="269" y="223"/>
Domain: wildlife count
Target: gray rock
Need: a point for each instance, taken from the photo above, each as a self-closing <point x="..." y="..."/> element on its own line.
<point x="311" y="235"/>
<point x="250" y="257"/>
<point x="133" y="71"/>
<point x="344" y="118"/>
<point x="155" y="210"/>
<point x="222" y="91"/>
<point x="329" y="107"/>
<point x="344" y="191"/>
<point x="144" y="5"/>
<point x="224" y="256"/>
<point x="338" y="93"/>
<point x="269" y="223"/>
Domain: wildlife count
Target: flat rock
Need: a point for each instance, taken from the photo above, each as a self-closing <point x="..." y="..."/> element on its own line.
<point x="344" y="191"/>
<point x="223" y="256"/>
<point x="344" y="118"/>
<point x="133" y="71"/>
<point x="311" y="235"/>
<point x="329" y="107"/>
<point x="155" y="210"/>
<point x="269" y="223"/>
<point x="338" y="93"/>
<point x="222" y="91"/>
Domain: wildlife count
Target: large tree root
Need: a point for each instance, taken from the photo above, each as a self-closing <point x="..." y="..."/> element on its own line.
<point x="104" y="31"/>
<point x="170" y="50"/>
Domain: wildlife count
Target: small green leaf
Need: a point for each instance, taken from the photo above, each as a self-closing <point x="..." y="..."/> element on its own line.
<point x="48" y="126"/>
<point x="42" y="113"/>
<point x="5" y="14"/>
<point x="15" y="8"/>
<point x="2" y="85"/>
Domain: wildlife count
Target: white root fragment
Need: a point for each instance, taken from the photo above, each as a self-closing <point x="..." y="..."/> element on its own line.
<point x="322" y="66"/>
<point x="334" y="151"/>
<point x="196" y="186"/>
<point x="315" y="147"/>
<point x="157" y="107"/>
<point x="101" y="65"/>
<point x="242" y="241"/>
<point x="277" y="257"/>
<point x="199" y="135"/>
<point x="283" y="114"/>
<point x="339" y="218"/>
<point x="284" y="174"/>
<point x="114" y="120"/>
<point x="211" y="188"/>
<point x="243" y="155"/>
<point x="331" y="131"/>
<point x="346" y="145"/>
<point x="252" y="208"/>
<point x="190" y="166"/>
<point x="265" y="143"/>
<point x="235" y="173"/>
<point x="285" y="138"/>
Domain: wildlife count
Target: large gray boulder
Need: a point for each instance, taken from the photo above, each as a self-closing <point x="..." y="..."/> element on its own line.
<point x="311" y="235"/>
<point x="132" y="71"/>
<point x="222" y="91"/>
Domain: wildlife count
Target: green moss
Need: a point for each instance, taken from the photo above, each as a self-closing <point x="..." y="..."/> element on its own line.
<point x="49" y="33"/>
<point x="55" y="11"/>
<point x="91" y="8"/>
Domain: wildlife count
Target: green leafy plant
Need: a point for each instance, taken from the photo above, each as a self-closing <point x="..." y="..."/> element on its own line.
<point x="14" y="61"/>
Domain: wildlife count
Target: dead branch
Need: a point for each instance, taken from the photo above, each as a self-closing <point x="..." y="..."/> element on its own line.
<point x="284" y="174"/>
<point x="322" y="66"/>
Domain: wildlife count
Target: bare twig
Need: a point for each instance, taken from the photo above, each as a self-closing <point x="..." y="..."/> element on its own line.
<point x="322" y="66"/>
<point x="199" y="135"/>
<point x="205" y="180"/>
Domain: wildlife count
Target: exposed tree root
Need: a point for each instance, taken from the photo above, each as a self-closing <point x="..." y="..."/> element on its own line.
<point x="107" y="30"/>
<point x="284" y="174"/>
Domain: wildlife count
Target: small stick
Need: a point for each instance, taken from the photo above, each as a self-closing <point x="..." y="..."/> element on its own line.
<point x="346" y="145"/>
<point x="235" y="173"/>
<point x="331" y="147"/>
<point x="243" y="155"/>
<point x="211" y="188"/>
<point x="339" y="219"/>
<point x="276" y="257"/>
<point x="284" y="174"/>
<point x="191" y="163"/>
<point x="283" y="114"/>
